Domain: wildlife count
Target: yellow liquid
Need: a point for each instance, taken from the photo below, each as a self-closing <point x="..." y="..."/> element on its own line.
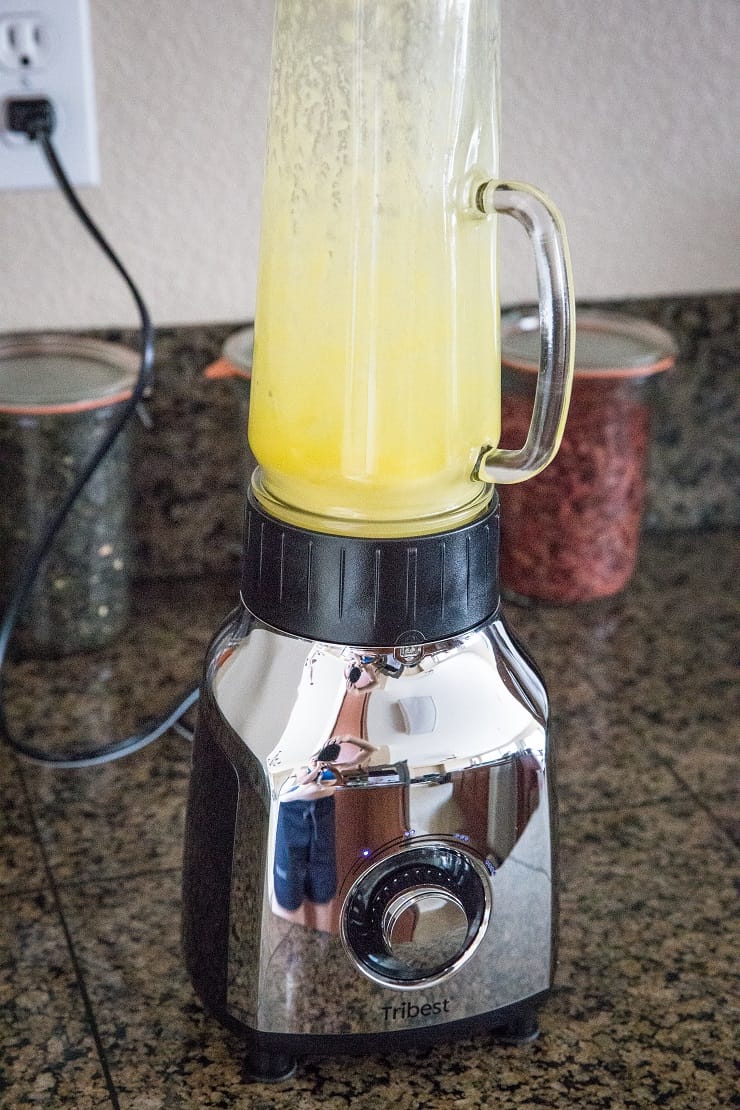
<point x="376" y="378"/>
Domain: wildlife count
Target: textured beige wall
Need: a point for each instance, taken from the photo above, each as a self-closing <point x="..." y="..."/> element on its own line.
<point x="624" y="111"/>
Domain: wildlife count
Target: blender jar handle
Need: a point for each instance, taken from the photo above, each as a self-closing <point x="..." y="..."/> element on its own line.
<point x="544" y="226"/>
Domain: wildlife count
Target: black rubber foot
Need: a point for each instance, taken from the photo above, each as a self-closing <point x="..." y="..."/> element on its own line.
<point x="269" y="1067"/>
<point x="520" y="1030"/>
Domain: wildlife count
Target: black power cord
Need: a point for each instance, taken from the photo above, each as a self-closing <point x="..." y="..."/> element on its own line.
<point x="34" y="117"/>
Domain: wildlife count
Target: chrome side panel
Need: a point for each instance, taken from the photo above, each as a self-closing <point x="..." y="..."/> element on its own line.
<point x="349" y="757"/>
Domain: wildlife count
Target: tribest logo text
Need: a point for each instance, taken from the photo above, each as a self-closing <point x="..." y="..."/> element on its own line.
<point x="408" y="1010"/>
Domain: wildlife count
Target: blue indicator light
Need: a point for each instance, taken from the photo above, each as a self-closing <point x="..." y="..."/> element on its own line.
<point x="366" y="852"/>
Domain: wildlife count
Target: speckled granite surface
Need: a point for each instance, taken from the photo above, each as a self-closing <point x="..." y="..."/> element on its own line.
<point x="696" y="412"/>
<point x="95" y="1006"/>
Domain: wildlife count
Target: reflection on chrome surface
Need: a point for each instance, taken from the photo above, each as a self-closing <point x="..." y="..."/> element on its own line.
<point x="406" y="816"/>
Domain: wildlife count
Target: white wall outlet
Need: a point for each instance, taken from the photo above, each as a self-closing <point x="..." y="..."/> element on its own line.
<point x="46" y="50"/>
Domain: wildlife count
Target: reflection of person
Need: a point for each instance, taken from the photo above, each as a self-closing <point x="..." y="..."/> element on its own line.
<point x="305" y="866"/>
<point x="324" y="771"/>
<point x="305" y="854"/>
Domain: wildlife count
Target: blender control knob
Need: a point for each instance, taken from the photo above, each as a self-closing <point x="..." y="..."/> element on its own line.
<point x="415" y="917"/>
<point x="444" y="932"/>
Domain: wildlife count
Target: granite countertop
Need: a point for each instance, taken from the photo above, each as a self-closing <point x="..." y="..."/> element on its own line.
<point x="95" y="1005"/>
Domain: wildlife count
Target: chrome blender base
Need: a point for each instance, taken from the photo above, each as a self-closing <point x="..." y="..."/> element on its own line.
<point x="371" y="830"/>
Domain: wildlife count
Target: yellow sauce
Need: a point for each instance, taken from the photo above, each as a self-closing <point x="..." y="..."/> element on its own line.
<point x="376" y="377"/>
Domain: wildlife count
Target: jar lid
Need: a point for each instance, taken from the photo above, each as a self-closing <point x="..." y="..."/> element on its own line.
<point x="238" y="349"/>
<point x="45" y="374"/>
<point x="608" y="344"/>
<point x="236" y="356"/>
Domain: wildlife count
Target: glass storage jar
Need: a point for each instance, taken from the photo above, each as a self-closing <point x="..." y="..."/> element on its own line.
<point x="571" y="534"/>
<point x="59" y="396"/>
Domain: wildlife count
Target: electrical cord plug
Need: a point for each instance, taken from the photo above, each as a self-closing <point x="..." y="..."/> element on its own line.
<point x="31" y="115"/>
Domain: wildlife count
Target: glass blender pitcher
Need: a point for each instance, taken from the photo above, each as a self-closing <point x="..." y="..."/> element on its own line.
<point x="372" y="745"/>
<point x="375" y="403"/>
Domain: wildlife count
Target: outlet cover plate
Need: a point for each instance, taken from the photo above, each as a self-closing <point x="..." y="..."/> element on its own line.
<point x="46" y="50"/>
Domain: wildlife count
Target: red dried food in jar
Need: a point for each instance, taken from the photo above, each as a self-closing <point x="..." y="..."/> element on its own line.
<point x="572" y="533"/>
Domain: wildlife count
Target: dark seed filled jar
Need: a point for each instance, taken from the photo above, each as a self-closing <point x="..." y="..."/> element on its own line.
<point x="58" y="398"/>
<point x="572" y="533"/>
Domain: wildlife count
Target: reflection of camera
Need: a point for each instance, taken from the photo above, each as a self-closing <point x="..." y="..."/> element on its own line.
<point x="344" y="751"/>
<point x="329" y="753"/>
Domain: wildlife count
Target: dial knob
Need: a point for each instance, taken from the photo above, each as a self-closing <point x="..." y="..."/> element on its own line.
<point x="416" y="916"/>
<point x="423" y="926"/>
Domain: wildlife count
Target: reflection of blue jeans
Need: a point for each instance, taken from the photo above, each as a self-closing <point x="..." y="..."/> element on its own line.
<point x="305" y="858"/>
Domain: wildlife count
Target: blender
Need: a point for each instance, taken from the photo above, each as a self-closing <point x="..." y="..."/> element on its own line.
<point x="370" y="841"/>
